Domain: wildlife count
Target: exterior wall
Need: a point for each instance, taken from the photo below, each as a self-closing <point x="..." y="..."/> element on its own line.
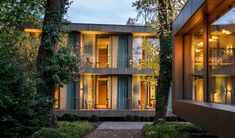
<point x="211" y="116"/>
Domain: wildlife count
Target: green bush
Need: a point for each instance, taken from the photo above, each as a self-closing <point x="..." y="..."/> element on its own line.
<point x="171" y="130"/>
<point x="65" y="130"/>
<point x="76" y="129"/>
<point x="48" y="133"/>
<point x="145" y="119"/>
<point x="69" y="117"/>
<point x="93" y="118"/>
<point x="129" y="118"/>
<point x="136" y="118"/>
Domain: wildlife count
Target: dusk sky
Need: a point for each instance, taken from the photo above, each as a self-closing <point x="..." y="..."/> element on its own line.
<point x="101" y="11"/>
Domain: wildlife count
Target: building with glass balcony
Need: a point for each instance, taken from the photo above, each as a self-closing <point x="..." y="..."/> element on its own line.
<point x="204" y="65"/>
<point x="116" y="76"/>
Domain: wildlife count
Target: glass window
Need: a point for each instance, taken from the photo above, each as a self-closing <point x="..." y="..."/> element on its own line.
<point x="222" y="59"/>
<point x="87" y="50"/>
<point x="143" y="92"/>
<point x="143" y="51"/>
<point x="193" y="64"/>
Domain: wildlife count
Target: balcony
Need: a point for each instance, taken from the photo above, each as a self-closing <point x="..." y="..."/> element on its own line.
<point x="115" y="65"/>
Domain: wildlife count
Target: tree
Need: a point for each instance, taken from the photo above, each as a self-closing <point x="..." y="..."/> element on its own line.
<point x="163" y="13"/>
<point x="54" y="65"/>
<point x="22" y="109"/>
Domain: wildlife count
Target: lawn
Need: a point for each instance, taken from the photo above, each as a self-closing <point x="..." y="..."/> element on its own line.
<point x="175" y="130"/>
<point x="65" y="129"/>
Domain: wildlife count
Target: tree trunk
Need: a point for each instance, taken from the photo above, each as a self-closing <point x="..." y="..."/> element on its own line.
<point x="52" y="24"/>
<point x="164" y="79"/>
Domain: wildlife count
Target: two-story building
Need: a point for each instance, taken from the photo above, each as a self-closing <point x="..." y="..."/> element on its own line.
<point x="115" y="77"/>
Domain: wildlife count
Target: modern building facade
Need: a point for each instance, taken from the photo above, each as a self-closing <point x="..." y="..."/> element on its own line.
<point x="116" y="74"/>
<point x="204" y="65"/>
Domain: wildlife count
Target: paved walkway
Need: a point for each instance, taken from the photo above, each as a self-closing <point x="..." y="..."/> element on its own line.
<point x="118" y="130"/>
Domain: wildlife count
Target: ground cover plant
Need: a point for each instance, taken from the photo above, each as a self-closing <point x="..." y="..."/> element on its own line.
<point x="175" y="130"/>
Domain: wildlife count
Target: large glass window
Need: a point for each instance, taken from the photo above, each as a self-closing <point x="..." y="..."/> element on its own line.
<point x="193" y="64"/>
<point x="222" y="59"/>
<point x="103" y="52"/>
<point x="95" y="92"/>
<point x="88" y="51"/>
<point x="145" y="52"/>
<point x="143" y="92"/>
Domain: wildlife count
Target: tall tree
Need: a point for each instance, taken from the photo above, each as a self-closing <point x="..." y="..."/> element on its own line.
<point x="22" y="109"/>
<point x="54" y="65"/>
<point x="163" y="13"/>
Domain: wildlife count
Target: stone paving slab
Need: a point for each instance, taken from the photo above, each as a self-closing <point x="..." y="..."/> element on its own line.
<point x="107" y="133"/>
<point x="122" y="125"/>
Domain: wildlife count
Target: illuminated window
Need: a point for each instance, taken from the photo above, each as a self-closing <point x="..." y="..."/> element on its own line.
<point x="193" y="64"/>
<point x="143" y="92"/>
<point x="57" y="97"/>
<point x="222" y="59"/>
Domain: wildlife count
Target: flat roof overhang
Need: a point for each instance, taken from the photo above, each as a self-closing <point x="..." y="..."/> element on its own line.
<point x="194" y="10"/>
<point x="109" y="28"/>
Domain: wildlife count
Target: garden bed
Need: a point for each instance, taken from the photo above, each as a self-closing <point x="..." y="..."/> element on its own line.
<point x="175" y="130"/>
<point x="65" y="129"/>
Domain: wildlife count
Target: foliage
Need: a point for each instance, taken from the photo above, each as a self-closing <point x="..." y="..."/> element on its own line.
<point x="171" y="130"/>
<point x="74" y="129"/>
<point x="65" y="130"/>
<point x="145" y="119"/>
<point x="22" y="110"/>
<point x="136" y="118"/>
<point x="69" y="117"/>
<point x="93" y="118"/>
<point x="129" y="118"/>
<point x="54" y="66"/>
<point x="18" y="14"/>
<point x="48" y="133"/>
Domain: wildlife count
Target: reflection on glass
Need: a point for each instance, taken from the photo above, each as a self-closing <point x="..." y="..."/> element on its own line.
<point x="87" y="92"/>
<point x="198" y="89"/>
<point x="95" y="92"/>
<point x="141" y="57"/>
<point x="197" y="63"/>
<point x="143" y="92"/>
<point x="222" y="59"/>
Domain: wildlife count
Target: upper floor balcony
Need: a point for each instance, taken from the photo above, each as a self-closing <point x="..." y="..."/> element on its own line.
<point x="116" y="54"/>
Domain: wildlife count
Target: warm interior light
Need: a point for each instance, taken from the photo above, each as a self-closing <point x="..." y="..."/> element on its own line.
<point x="212" y="40"/>
<point x="200" y="44"/>
<point x="30" y="30"/>
<point x="226" y="31"/>
<point x="197" y="50"/>
<point x="215" y="37"/>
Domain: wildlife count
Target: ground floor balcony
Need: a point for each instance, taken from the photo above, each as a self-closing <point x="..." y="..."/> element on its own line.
<point x="109" y="93"/>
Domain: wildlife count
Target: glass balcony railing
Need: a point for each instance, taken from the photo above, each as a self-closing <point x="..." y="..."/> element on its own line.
<point x="116" y="62"/>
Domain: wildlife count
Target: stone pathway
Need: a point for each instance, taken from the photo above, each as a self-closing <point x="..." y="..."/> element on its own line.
<point x="118" y="130"/>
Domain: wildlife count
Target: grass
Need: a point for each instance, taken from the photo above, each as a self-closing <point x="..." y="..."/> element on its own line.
<point x="65" y="130"/>
<point x="175" y="130"/>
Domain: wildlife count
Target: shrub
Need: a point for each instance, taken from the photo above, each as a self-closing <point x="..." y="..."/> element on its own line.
<point x="145" y="119"/>
<point x="171" y="130"/>
<point x="48" y="133"/>
<point x="136" y="118"/>
<point x="93" y="118"/>
<point x="65" y="130"/>
<point x="69" y="117"/>
<point x="75" y="129"/>
<point x="129" y="118"/>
